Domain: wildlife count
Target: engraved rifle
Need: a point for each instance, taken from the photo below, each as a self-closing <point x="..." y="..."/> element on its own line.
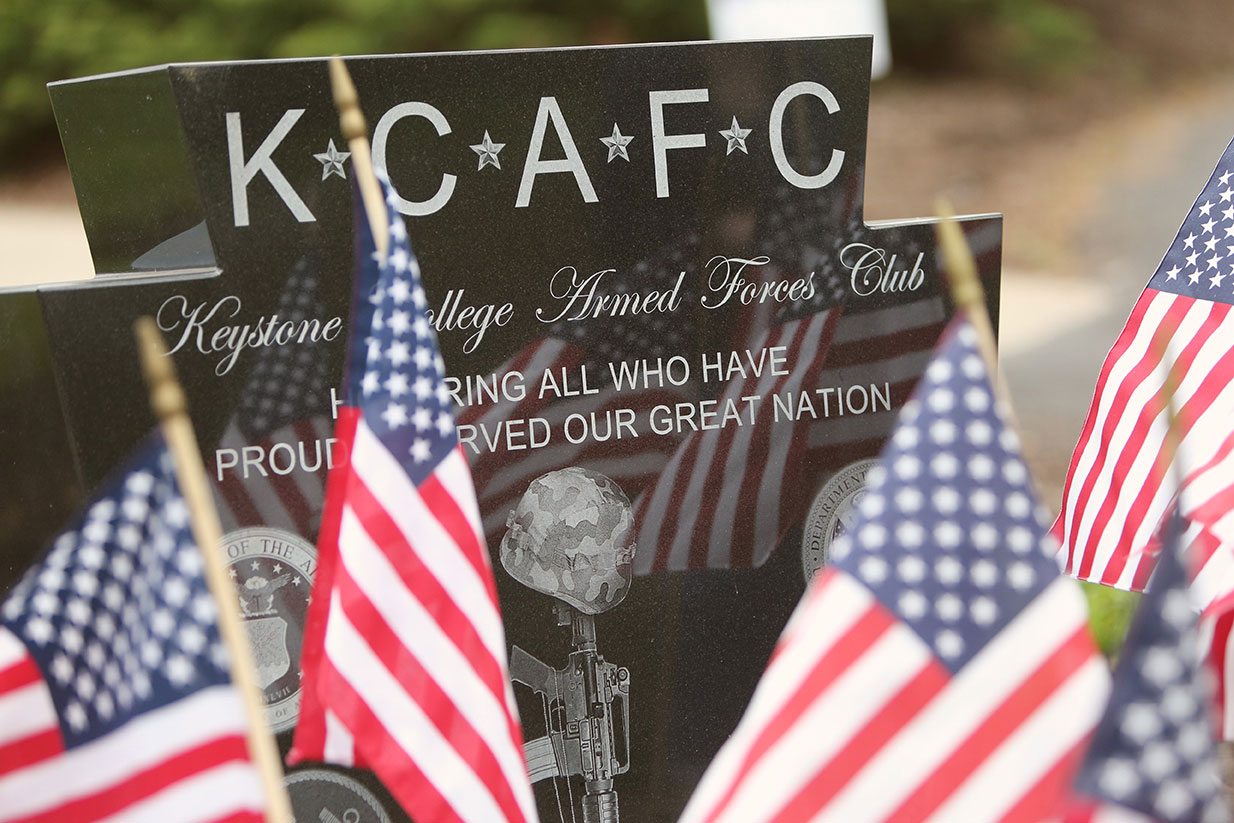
<point x="588" y="717"/>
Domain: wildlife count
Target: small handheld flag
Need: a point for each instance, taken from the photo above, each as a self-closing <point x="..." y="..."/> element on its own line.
<point x="404" y="658"/>
<point x="942" y="668"/>
<point x="115" y="695"/>
<point x="1154" y="751"/>
<point x="1120" y="483"/>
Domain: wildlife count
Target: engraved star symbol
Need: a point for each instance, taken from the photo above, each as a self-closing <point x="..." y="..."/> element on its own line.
<point x="487" y="151"/>
<point x="332" y="161"/>
<point x="736" y="137"/>
<point x="617" y="145"/>
<point x="255" y="566"/>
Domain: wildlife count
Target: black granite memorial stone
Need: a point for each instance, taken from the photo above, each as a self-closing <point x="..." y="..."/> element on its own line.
<point x="667" y="322"/>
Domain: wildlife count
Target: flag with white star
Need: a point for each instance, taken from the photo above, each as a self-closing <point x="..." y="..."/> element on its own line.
<point x="941" y="668"/>
<point x="1154" y="752"/>
<point x="116" y="700"/>
<point x="404" y="655"/>
<point x="1121" y="481"/>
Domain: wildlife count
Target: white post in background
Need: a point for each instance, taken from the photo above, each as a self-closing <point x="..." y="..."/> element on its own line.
<point x="770" y="19"/>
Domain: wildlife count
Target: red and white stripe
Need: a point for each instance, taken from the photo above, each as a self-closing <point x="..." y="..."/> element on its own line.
<point x="413" y="659"/>
<point x="1118" y="487"/>
<point x="290" y="500"/>
<point x="855" y="719"/>
<point x="1217" y="647"/>
<point x="728" y="495"/>
<point x="187" y="761"/>
<point x="1207" y="505"/>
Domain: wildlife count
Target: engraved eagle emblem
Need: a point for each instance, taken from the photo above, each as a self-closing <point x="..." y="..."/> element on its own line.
<point x="257" y="594"/>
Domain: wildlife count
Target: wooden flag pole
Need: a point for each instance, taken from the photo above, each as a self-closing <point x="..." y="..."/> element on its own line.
<point x="355" y="132"/>
<point x="170" y="407"/>
<point x="968" y="295"/>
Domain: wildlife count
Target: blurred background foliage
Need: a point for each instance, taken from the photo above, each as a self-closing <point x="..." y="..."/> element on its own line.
<point x="42" y="40"/>
<point x="1110" y="612"/>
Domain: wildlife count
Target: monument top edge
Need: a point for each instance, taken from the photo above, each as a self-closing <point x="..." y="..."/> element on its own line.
<point x="92" y="78"/>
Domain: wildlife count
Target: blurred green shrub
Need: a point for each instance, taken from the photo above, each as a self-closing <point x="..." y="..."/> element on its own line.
<point x="1109" y="615"/>
<point x="1026" y="39"/>
<point x="44" y="40"/>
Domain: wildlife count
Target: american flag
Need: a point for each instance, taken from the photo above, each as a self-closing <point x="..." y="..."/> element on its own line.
<point x="941" y="668"/>
<point x="1203" y="507"/>
<point x="283" y="415"/>
<point x="1206" y="503"/>
<point x="1118" y="488"/>
<point x="404" y="655"/>
<point x="1154" y="754"/>
<point x="728" y="494"/>
<point x="116" y="700"/>
<point x="594" y="344"/>
<point x="1217" y="648"/>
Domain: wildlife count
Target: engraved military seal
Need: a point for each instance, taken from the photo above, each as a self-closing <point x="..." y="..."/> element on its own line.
<point x="273" y="574"/>
<point x="332" y="797"/>
<point x="831" y="514"/>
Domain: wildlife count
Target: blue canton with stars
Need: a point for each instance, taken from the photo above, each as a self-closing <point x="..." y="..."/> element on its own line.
<point x="396" y="372"/>
<point x="1200" y="262"/>
<point x="949" y="535"/>
<point x="117" y="613"/>
<point x="1154" y="750"/>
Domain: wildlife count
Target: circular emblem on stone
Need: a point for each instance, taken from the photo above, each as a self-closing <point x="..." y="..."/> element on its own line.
<point x="831" y="514"/>
<point x="272" y="571"/>
<point x="332" y="797"/>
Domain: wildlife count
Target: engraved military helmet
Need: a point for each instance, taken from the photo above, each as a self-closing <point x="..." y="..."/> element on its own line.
<point x="572" y="537"/>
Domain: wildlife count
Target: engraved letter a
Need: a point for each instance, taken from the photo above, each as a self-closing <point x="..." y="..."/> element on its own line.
<point x="243" y="171"/>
